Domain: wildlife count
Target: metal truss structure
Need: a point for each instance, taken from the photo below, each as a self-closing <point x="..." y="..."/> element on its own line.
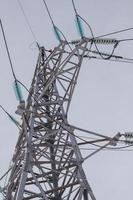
<point x="47" y="163"/>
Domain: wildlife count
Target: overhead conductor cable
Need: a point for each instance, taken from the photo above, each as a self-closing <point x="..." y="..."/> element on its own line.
<point x="11" y="117"/>
<point x="93" y="40"/>
<point x="16" y="85"/>
<point x="56" y="30"/>
<point x="115" y="32"/>
<point x="28" y="23"/>
<point x="78" y="21"/>
<point x="58" y="33"/>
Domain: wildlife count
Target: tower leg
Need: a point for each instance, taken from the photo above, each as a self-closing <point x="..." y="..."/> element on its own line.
<point x="86" y="195"/>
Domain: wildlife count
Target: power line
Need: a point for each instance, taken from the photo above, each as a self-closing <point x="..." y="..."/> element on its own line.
<point x="74" y="7"/>
<point x="7" y="49"/>
<point x="116" y="57"/>
<point x="115" y="32"/>
<point x="57" y="31"/>
<point x="93" y="41"/>
<point x="106" y="149"/>
<point x="124" y="60"/>
<point x="93" y="37"/>
<point x="27" y="21"/>
<point x="117" y="148"/>
<point x="48" y="11"/>
<point x="3" y="176"/>
<point x="16" y="86"/>
<point x="11" y="117"/>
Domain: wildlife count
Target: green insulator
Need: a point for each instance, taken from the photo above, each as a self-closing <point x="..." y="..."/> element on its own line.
<point x="79" y="26"/>
<point x="14" y="120"/>
<point x="57" y="34"/>
<point x="17" y="90"/>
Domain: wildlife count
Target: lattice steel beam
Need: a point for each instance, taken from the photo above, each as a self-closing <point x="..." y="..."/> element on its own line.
<point x="47" y="163"/>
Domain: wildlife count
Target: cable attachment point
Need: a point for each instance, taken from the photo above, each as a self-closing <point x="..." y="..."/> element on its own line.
<point x="20" y="108"/>
<point x="115" y="139"/>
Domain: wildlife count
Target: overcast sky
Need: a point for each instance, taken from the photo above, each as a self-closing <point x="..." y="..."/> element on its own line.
<point x="103" y="99"/>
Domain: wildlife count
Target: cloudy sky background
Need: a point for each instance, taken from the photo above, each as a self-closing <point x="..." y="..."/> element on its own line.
<point x="103" y="99"/>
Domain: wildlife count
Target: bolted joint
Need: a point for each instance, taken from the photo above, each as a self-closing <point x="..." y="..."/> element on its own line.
<point x="20" y="108"/>
<point x="115" y="139"/>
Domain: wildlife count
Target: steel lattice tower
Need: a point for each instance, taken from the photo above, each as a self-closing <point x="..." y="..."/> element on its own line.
<point x="47" y="163"/>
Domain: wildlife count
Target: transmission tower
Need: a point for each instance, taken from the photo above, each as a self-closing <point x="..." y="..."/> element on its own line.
<point x="47" y="163"/>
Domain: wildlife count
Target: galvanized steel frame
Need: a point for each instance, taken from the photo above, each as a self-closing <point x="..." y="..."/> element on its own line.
<point x="47" y="163"/>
